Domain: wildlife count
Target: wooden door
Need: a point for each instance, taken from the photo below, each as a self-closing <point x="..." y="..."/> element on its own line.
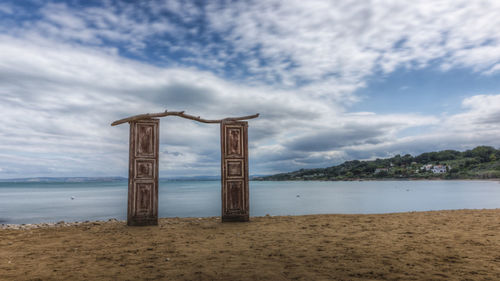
<point x="234" y="170"/>
<point x="143" y="173"/>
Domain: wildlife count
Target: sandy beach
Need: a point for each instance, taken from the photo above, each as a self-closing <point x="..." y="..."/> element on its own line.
<point x="437" y="245"/>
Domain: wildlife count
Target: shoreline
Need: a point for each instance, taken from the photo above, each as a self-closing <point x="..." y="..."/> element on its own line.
<point x="27" y="226"/>
<point x="432" y="245"/>
<point x="387" y="179"/>
<point x="6" y="181"/>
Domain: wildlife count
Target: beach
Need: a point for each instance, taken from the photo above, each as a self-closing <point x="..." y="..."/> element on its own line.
<point x="435" y="245"/>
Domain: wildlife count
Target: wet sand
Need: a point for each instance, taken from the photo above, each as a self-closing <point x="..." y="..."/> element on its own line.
<point x="438" y="245"/>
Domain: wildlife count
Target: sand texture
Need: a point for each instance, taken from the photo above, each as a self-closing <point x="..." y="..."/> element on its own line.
<point x="440" y="245"/>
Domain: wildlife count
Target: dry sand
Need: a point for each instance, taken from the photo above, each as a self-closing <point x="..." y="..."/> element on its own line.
<point x="440" y="245"/>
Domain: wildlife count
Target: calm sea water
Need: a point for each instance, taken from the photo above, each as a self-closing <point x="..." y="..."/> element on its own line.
<point x="51" y="202"/>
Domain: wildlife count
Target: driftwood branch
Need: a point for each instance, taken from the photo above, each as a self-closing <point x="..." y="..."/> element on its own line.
<point x="180" y="114"/>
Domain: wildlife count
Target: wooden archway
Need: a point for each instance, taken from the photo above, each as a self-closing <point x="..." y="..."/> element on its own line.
<point x="142" y="206"/>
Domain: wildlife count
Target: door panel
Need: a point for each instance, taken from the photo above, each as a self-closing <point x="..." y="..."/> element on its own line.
<point x="145" y="138"/>
<point x="144" y="168"/>
<point x="234" y="176"/>
<point x="143" y="173"/>
<point x="235" y="168"/>
<point x="144" y="194"/>
<point x="234" y="136"/>
<point x="234" y="197"/>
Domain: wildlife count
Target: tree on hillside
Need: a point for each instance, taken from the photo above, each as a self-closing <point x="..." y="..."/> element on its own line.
<point x="483" y="153"/>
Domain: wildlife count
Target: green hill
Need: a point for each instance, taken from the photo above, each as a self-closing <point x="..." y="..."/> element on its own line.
<point x="482" y="162"/>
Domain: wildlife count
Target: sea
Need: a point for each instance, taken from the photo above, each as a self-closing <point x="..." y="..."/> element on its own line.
<point x="35" y="202"/>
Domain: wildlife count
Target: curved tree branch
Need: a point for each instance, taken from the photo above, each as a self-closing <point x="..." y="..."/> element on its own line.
<point x="180" y="114"/>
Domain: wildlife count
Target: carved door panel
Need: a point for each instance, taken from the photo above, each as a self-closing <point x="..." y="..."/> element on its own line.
<point x="143" y="173"/>
<point x="234" y="174"/>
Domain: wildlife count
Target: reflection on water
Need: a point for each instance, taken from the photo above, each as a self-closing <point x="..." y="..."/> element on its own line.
<point x="52" y="202"/>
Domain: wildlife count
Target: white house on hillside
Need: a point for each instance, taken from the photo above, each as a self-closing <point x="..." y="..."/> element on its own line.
<point x="439" y="169"/>
<point x="436" y="169"/>
<point x="378" y="170"/>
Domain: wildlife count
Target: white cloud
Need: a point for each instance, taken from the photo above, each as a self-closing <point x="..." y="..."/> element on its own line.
<point x="324" y="48"/>
<point x="6" y="9"/>
<point x="123" y="24"/>
<point x="343" y="42"/>
<point x="57" y="102"/>
<point x="482" y="115"/>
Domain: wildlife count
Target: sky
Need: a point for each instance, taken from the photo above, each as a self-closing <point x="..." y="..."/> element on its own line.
<point x="332" y="80"/>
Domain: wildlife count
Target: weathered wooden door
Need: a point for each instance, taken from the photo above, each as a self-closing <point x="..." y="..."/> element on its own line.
<point x="143" y="173"/>
<point x="234" y="174"/>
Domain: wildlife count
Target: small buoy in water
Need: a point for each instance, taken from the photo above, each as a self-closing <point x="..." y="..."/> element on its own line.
<point x="72" y="197"/>
<point x="298" y="196"/>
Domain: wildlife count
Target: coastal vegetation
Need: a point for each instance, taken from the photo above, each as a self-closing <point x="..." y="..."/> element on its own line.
<point x="482" y="162"/>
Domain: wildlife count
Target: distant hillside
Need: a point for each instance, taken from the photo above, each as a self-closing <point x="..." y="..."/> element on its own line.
<point x="191" y="178"/>
<point x="202" y="178"/>
<point x="103" y="179"/>
<point x="113" y="179"/>
<point x="482" y="162"/>
<point x="66" y="179"/>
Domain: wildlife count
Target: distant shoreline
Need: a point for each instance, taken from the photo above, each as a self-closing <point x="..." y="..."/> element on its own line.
<point x="59" y="181"/>
<point x="386" y="179"/>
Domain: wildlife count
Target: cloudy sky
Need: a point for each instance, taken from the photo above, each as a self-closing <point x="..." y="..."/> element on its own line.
<point x="333" y="81"/>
